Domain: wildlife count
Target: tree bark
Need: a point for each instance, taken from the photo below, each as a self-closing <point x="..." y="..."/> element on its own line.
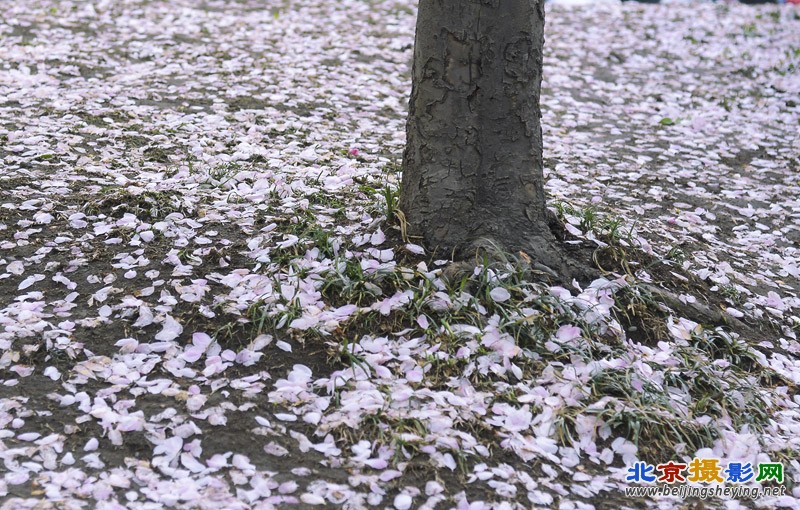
<point x="472" y="167"/>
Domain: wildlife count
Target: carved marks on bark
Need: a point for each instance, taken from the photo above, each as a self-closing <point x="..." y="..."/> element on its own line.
<point x="472" y="165"/>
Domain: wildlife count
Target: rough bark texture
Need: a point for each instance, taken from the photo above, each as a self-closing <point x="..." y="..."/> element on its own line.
<point x="472" y="167"/>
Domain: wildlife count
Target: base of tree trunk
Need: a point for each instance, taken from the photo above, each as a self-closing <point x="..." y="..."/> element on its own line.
<point x="556" y="263"/>
<point x="545" y="255"/>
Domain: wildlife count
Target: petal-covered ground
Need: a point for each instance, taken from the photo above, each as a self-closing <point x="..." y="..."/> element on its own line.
<point x="208" y="301"/>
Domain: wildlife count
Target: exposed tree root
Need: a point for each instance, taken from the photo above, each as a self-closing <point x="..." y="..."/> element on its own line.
<point x="696" y="311"/>
<point x="551" y="261"/>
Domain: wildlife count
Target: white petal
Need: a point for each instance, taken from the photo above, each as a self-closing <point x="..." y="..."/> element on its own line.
<point x="499" y="294"/>
<point x="91" y="445"/>
<point x="145" y="317"/>
<point x="402" y="502"/>
<point x="415" y="249"/>
<point x="377" y="238"/>
<point x="16" y="268"/>
<point x="312" y="499"/>
<point x="171" y="330"/>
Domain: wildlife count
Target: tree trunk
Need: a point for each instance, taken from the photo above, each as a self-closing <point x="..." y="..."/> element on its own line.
<point x="472" y="167"/>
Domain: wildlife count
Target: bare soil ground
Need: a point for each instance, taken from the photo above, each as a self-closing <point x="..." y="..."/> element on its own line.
<point x="206" y="301"/>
